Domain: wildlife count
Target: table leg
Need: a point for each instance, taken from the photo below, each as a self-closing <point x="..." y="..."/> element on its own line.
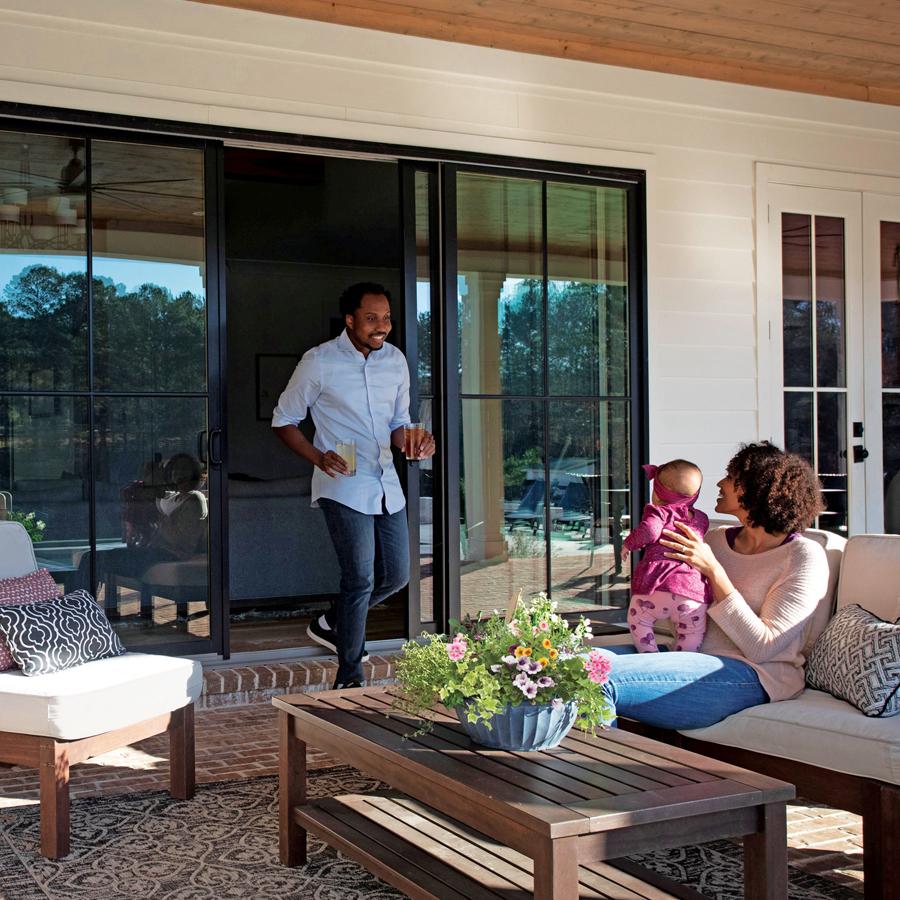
<point x="556" y="869"/>
<point x="291" y="792"/>
<point x="765" y="855"/>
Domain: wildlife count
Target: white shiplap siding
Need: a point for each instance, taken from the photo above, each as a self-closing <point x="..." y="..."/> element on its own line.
<point x="698" y="141"/>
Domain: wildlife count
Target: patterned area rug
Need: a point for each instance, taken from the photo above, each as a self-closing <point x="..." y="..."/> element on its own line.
<point x="223" y="845"/>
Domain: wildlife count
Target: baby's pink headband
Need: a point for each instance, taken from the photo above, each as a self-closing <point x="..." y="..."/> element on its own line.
<point x="667" y="495"/>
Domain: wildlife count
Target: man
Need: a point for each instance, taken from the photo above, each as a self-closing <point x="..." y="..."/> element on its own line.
<point x="357" y="388"/>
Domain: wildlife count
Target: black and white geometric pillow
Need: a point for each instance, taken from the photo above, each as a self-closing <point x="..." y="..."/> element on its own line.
<point x="857" y="659"/>
<point x="59" y="634"/>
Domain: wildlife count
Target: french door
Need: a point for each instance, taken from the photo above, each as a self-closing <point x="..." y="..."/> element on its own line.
<point x="833" y="288"/>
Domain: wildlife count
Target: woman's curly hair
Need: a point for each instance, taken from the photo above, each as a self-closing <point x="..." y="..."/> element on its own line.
<point x="779" y="490"/>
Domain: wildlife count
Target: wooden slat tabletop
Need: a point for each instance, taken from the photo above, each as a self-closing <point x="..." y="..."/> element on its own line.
<point x="588" y="784"/>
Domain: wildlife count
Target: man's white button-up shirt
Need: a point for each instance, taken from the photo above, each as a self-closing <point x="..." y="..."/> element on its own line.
<point x="352" y="397"/>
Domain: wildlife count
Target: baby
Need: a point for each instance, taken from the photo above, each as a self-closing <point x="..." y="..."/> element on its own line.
<point x="663" y="588"/>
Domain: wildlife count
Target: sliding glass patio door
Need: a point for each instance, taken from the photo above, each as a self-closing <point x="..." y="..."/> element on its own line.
<point x="106" y="375"/>
<point x="543" y="324"/>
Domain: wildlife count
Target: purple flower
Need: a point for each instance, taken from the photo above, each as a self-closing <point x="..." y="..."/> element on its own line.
<point x="521" y="680"/>
<point x="545" y="681"/>
<point x="509" y="660"/>
<point x="533" y="667"/>
<point x="496" y="668"/>
<point x="530" y="690"/>
<point x="523" y="662"/>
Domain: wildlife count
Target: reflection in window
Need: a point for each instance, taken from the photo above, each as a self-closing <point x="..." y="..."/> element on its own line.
<point x="813" y="337"/>
<point x="148" y="285"/>
<point x="502" y="532"/>
<point x="890" y="372"/>
<point x="43" y="266"/>
<point x="152" y="514"/>
<point x="545" y="480"/>
<point x="44" y="470"/>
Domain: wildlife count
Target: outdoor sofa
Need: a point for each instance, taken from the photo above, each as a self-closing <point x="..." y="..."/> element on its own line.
<point x="828" y="748"/>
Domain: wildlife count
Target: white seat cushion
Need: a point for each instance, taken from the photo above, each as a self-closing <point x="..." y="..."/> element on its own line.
<point x="817" y="729"/>
<point x="98" y="696"/>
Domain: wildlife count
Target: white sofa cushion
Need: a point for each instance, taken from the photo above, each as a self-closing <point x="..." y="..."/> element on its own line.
<point x="98" y="696"/>
<point x="817" y="729"/>
<point x="870" y="575"/>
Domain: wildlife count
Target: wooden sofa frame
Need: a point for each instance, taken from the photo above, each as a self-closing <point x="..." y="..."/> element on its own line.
<point x="876" y="801"/>
<point x="54" y="757"/>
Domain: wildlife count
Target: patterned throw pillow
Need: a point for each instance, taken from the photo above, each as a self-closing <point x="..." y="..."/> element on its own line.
<point x="48" y="637"/>
<point x="857" y="659"/>
<point x="31" y="588"/>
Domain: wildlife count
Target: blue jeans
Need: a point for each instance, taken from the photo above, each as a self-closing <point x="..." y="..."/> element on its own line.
<point x="680" y="690"/>
<point x="373" y="553"/>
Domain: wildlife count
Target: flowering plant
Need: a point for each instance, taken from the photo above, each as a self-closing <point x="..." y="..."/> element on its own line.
<point x="489" y="663"/>
<point x="32" y="524"/>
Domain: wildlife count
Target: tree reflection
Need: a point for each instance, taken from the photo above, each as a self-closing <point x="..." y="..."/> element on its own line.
<point x="144" y="338"/>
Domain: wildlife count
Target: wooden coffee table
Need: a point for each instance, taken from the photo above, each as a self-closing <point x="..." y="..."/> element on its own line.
<point x="465" y="822"/>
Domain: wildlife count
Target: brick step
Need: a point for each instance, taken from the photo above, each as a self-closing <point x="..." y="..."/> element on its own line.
<point x="238" y="685"/>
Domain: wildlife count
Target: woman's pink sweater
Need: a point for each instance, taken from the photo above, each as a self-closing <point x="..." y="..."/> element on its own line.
<point x="765" y="619"/>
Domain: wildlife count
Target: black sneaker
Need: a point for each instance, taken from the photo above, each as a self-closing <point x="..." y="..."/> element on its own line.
<point x="344" y="685"/>
<point x="325" y="637"/>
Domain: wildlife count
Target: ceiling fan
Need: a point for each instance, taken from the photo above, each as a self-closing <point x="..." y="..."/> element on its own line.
<point x="72" y="182"/>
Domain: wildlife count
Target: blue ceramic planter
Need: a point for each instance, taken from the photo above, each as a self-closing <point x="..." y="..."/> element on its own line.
<point x="523" y="727"/>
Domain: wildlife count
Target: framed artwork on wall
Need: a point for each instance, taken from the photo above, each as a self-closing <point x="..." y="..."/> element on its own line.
<point x="273" y="371"/>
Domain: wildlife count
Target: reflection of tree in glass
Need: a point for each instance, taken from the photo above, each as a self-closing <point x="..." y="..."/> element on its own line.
<point x="44" y="319"/>
<point x="144" y="338"/>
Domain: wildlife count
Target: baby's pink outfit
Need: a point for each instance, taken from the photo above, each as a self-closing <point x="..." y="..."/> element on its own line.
<point x="663" y="588"/>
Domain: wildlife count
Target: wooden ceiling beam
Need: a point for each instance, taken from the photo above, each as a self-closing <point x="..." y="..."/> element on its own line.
<point x="618" y="42"/>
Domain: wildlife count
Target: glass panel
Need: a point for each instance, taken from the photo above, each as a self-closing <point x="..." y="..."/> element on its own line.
<point x="587" y="263"/>
<point x="796" y="284"/>
<point x="798" y="424"/>
<point x="890" y="410"/>
<point x="499" y="238"/>
<point x="44" y="470"/>
<point x="589" y="483"/>
<point x="502" y="491"/>
<point x="149" y="279"/>
<point x="890" y="304"/>
<point x="832" y="471"/>
<point x="152" y="517"/>
<point x="830" y="313"/>
<point x="43" y="265"/>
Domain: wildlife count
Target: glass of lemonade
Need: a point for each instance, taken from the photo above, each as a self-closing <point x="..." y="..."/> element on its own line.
<point x="412" y="436"/>
<point x="346" y="449"/>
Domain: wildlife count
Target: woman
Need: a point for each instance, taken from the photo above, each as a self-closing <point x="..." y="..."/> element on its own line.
<point x="766" y="581"/>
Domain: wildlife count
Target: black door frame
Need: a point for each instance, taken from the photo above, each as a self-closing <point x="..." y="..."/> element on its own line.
<point x="445" y="164"/>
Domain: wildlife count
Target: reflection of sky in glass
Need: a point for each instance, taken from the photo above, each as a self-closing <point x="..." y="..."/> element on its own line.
<point x="132" y="273"/>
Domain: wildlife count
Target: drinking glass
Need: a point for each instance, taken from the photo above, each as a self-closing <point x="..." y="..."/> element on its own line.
<point x="346" y="449"/>
<point x="413" y="433"/>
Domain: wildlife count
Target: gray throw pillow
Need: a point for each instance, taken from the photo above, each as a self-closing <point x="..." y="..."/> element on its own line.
<point x="857" y="659"/>
<point x="59" y="634"/>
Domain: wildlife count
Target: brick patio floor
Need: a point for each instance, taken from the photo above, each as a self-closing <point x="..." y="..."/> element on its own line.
<point x="239" y="741"/>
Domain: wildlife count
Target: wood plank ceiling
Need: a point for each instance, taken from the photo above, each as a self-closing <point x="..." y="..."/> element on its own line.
<point x="838" y="48"/>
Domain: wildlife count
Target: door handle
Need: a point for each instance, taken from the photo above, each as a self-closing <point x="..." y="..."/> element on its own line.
<point x="202" y="445"/>
<point x="859" y="453"/>
<point x="215" y="447"/>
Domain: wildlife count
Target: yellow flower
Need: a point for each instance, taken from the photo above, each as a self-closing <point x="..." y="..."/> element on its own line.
<point x="526" y="651"/>
<point x="554" y="653"/>
<point x="544" y="661"/>
<point x="546" y="643"/>
<point x="519" y="651"/>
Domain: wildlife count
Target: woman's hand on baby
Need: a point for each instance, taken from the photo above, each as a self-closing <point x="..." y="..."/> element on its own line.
<point x="688" y="547"/>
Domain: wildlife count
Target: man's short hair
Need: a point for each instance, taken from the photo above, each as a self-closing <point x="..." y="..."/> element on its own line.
<point x="351" y="299"/>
